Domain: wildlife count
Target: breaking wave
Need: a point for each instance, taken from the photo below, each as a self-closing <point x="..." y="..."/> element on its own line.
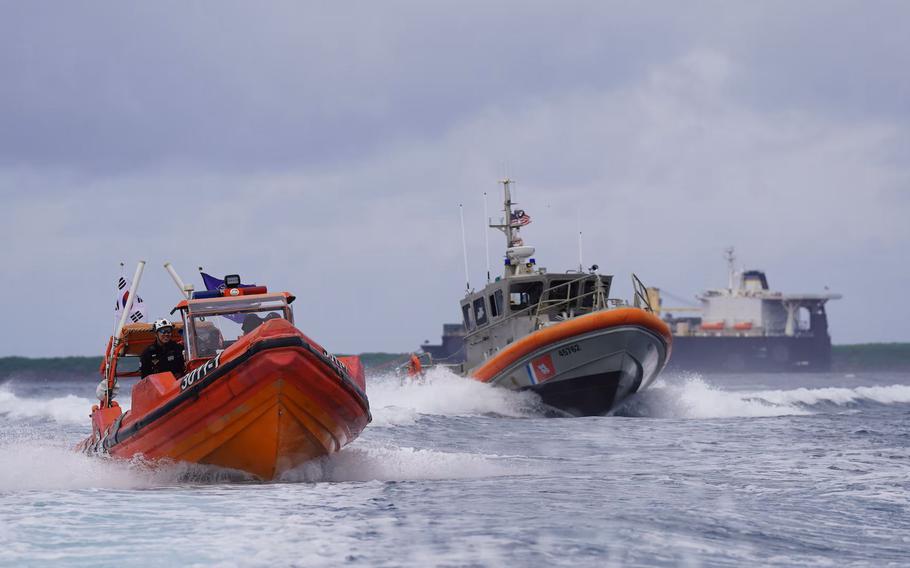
<point x="69" y="409"/>
<point x="889" y="394"/>
<point x="443" y="393"/>
<point x="696" y="398"/>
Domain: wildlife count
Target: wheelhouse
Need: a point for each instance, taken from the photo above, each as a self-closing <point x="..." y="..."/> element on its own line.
<point x="558" y="296"/>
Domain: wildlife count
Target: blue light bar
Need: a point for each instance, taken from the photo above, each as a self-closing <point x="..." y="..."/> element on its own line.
<point x="203" y="294"/>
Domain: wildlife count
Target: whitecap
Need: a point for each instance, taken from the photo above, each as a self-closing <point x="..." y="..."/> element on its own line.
<point x="69" y="409"/>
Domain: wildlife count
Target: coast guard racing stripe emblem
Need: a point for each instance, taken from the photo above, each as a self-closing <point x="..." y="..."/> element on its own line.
<point x="541" y="369"/>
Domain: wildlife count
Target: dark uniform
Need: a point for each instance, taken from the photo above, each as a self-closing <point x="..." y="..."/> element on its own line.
<point x="158" y="358"/>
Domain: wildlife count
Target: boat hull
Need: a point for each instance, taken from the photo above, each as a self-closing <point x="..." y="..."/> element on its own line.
<point x="587" y="368"/>
<point x="764" y="354"/>
<point x="279" y="403"/>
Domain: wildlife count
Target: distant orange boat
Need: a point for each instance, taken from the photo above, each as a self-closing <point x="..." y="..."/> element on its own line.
<point x="258" y="396"/>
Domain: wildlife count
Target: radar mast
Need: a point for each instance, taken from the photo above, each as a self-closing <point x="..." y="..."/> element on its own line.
<point x="517" y="255"/>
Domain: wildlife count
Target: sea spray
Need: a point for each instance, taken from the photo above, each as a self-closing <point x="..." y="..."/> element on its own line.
<point x="394" y="401"/>
<point x="391" y="463"/>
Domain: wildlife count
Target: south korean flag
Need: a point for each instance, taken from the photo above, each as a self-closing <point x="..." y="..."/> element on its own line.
<point x="137" y="313"/>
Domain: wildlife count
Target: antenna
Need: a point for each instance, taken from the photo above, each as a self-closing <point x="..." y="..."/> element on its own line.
<point x="581" y="265"/>
<point x="731" y="260"/>
<point x="507" y="210"/>
<point x="464" y="249"/>
<point x="486" y="234"/>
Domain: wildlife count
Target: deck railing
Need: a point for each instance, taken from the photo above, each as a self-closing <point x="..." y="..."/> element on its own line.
<point x="547" y="305"/>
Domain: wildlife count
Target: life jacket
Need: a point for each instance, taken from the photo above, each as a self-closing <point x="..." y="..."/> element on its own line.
<point x="414" y="367"/>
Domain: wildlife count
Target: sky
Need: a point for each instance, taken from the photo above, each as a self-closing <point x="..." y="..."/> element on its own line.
<point x="324" y="149"/>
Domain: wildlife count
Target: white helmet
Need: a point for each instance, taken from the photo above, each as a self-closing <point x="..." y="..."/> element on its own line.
<point x="162" y="324"/>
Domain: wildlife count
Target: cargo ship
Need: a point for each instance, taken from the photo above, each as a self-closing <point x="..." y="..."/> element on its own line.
<point x="747" y="327"/>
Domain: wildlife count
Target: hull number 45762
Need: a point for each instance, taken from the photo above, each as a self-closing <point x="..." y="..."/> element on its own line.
<point x="566" y="351"/>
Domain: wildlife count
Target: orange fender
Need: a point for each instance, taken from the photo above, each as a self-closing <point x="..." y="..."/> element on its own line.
<point x="528" y="344"/>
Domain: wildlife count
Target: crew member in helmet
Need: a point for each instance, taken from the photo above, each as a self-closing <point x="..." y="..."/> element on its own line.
<point x="163" y="355"/>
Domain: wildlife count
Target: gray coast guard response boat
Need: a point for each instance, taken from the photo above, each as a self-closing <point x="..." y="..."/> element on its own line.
<point x="559" y="335"/>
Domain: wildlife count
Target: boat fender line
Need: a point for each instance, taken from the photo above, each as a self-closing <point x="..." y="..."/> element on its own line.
<point x="277" y="343"/>
<point x="593" y="322"/>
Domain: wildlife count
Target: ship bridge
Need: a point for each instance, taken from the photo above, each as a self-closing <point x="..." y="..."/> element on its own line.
<point x="814" y="304"/>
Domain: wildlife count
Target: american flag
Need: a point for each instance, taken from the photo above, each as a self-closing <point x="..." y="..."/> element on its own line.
<point x="520" y="218"/>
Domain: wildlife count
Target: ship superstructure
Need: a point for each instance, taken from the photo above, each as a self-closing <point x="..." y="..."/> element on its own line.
<point x="747" y="326"/>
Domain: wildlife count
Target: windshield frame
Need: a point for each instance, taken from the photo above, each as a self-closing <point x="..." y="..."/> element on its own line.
<point x="211" y="307"/>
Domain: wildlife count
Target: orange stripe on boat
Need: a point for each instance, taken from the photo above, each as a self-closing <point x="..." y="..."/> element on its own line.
<point x="583" y="324"/>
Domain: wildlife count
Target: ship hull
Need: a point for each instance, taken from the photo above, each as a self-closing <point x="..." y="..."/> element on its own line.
<point x="588" y="367"/>
<point x="265" y="408"/>
<point x="751" y="354"/>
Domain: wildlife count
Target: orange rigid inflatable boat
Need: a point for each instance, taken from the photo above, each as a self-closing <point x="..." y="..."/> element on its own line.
<point x="258" y="395"/>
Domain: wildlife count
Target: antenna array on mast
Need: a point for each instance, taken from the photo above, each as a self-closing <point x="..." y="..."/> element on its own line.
<point x="486" y="234"/>
<point x="464" y="249"/>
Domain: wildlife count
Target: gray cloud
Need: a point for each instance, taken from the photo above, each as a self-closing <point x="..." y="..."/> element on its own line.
<point x="116" y="87"/>
<point x="325" y="149"/>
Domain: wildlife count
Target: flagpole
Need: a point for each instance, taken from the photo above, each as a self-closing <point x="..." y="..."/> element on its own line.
<point x="177" y="280"/>
<point x="114" y="329"/>
<point x="111" y="380"/>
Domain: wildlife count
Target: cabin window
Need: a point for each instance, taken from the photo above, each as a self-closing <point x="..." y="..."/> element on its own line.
<point x="562" y="296"/>
<point x="588" y="291"/>
<point x="588" y="300"/>
<point x="524" y="295"/>
<point x="561" y="290"/>
<point x="214" y="332"/>
<point x="496" y="303"/>
<point x="480" y="311"/>
<point x="606" y="281"/>
<point x="466" y="314"/>
<point x="213" y="326"/>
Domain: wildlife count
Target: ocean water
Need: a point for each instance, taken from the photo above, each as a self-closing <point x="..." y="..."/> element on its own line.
<point x="770" y="470"/>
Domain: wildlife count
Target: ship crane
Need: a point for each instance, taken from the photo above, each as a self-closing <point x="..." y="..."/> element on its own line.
<point x="654" y="297"/>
